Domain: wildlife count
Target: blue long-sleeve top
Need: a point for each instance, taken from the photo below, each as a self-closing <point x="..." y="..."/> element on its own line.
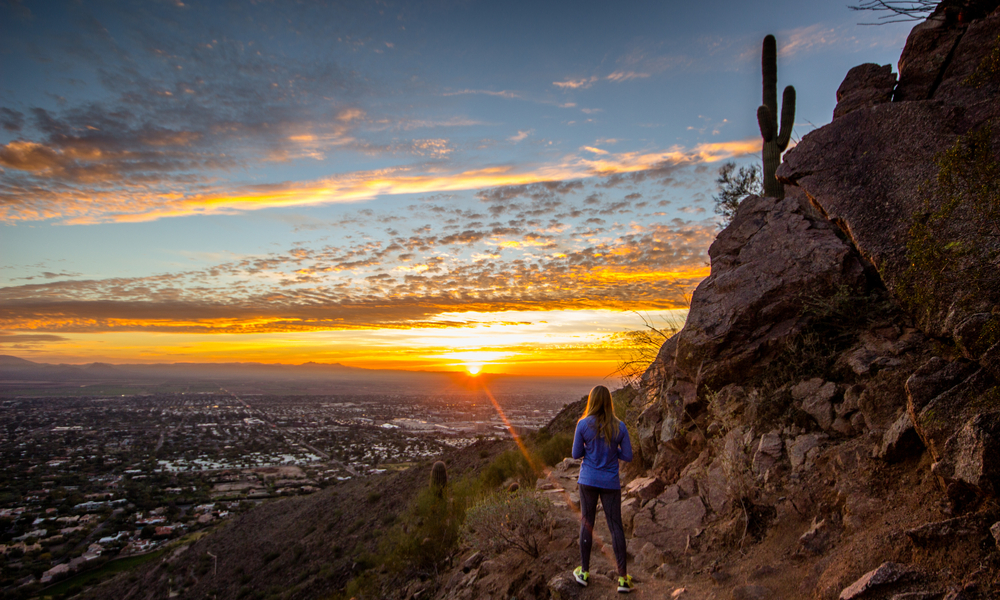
<point x="600" y="461"/>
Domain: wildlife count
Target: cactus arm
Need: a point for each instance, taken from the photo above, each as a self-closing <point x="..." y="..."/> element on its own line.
<point x="787" y="117"/>
<point x="769" y="71"/>
<point x="766" y="123"/>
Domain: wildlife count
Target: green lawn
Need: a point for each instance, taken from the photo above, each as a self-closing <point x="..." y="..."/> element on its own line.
<point x="108" y="569"/>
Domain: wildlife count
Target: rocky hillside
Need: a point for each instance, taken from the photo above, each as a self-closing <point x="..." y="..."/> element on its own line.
<point x="827" y="423"/>
<point x="832" y="401"/>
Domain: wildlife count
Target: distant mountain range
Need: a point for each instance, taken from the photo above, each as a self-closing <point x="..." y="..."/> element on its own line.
<point x="310" y="377"/>
<point x="13" y="367"/>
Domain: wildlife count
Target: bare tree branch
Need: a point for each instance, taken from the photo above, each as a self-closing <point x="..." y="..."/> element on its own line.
<point x="899" y="11"/>
<point x="640" y="347"/>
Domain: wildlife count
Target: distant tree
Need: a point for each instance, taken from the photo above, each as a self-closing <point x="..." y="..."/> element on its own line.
<point x="899" y="10"/>
<point x="734" y="186"/>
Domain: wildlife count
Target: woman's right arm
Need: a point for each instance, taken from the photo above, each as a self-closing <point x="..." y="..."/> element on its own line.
<point x="578" y="441"/>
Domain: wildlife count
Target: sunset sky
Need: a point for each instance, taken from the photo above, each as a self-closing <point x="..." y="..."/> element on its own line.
<point x="419" y="185"/>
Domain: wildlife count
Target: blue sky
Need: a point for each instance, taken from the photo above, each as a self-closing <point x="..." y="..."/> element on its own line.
<point x="337" y="181"/>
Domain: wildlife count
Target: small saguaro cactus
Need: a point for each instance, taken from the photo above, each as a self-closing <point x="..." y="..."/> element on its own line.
<point x="775" y="140"/>
<point x="439" y="477"/>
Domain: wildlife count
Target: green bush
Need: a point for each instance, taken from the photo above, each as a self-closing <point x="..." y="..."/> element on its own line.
<point x="502" y="520"/>
<point x="555" y="448"/>
<point x="510" y="464"/>
<point x="428" y="532"/>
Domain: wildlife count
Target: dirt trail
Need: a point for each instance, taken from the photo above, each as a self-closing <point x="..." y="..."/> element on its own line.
<point x="563" y="555"/>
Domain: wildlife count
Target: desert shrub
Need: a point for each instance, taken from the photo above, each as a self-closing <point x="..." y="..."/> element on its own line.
<point x="431" y="529"/>
<point x="364" y="560"/>
<point x="428" y="531"/>
<point x="356" y="525"/>
<point x="502" y="520"/>
<point x="510" y="464"/>
<point x="361" y="587"/>
<point x="627" y="410"/>
<point x="637" y="349"/>
<point x="734" y="186"/>
<point x="552" y="450"/>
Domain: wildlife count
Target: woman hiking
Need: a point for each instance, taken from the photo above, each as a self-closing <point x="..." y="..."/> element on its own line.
<point x="601" y="440"/>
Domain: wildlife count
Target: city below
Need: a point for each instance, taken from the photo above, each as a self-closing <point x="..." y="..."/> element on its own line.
<point x="91" y="477"/>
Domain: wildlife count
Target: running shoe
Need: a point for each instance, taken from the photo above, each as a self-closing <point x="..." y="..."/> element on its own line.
<point x="581" y="576"/>
<point x="625" y="584"/>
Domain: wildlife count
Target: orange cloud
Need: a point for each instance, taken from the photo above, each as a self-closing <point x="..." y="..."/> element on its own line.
<point x="572" y="84"/>
<point x="138" y="205"/>
<point x="29" y="156"/>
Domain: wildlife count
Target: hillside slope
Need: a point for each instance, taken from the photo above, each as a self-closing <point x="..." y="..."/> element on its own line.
<point x="296" y="548"/>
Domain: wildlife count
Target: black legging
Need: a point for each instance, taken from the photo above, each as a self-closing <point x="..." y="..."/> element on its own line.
<point x="612" y="501"/>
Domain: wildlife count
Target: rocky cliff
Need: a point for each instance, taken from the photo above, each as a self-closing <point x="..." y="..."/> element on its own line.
<point x="833" y="400"/>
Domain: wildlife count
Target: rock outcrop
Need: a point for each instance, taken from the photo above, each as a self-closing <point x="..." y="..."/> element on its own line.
<point x="756" y="410"/>
<point x="914" y="184"/>
<point x="865" y="85"/>
<point x="890" y="174"/>
<point x="774" y="256"/>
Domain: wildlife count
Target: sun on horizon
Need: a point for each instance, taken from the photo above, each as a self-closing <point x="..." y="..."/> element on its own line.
<point x="473" y="368"/>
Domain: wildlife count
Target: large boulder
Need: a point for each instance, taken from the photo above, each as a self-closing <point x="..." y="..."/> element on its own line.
<point x="865" y="85"/>
<point x="926" y="52"/>
<point x="914" y="182"/>
<point x="773" y="256"/>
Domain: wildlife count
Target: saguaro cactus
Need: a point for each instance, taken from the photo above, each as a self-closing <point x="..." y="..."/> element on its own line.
<point x="775" y="140"/>
<point x="439" y="477"/>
